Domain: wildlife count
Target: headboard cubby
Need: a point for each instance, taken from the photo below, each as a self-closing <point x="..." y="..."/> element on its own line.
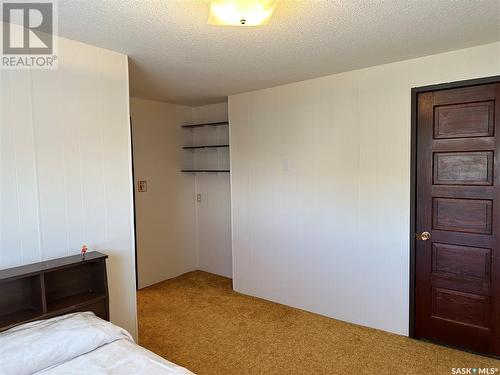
<point x="55" y="287"/>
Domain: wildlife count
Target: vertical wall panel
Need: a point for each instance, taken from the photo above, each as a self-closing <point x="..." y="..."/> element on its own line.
<point x="115" y="168"/>
<point x="10" y="228"/>
<point x="72" y="146"/>
<point x="166" y="213"/>
<point x="26" y="175"/>
<point x="89" y="125"/>
<point x="20" y="231"/>
<point x="213" y="213"/>
<point x="214" y="224"/>
<point x="50" y="163"/>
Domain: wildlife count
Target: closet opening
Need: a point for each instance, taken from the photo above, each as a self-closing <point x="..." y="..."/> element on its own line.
<point x="181" y="172"/>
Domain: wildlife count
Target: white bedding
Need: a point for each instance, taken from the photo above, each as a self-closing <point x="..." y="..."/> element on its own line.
<point x="77" y="343"/>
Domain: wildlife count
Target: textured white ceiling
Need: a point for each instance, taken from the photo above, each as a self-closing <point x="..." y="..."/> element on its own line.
<point x="176" y="57"/>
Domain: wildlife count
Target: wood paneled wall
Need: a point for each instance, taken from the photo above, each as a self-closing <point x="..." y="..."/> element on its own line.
<point x="65" y="177"/>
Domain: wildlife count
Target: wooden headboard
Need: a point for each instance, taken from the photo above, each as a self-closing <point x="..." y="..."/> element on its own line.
<point x="55" y="287"/>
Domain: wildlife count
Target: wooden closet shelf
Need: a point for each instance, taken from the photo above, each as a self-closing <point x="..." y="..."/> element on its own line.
<point x="206" y="170"/>
<point x="205" y="146"/>
<point x="224" y="123"/>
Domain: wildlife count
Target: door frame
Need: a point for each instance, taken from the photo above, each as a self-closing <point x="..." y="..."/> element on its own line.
<point x="413" y="175"/>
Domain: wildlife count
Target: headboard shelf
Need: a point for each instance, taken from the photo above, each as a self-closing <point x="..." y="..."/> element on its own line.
<point x="55" y="287"/>
<point x="76" y="300"/>
<point x="49" y="265"/>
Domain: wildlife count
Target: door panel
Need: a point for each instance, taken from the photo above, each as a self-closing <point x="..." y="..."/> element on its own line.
<point x="462" y="215"/>
<point x="461" y="261"/>
<point x="463" y="168"/>
<point x="465" y="308"/>
<point x="457" y="198"/>
<point x="464" y="120"/>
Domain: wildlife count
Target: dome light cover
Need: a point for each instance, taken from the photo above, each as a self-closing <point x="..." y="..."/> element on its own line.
<point x="241" y="12"/>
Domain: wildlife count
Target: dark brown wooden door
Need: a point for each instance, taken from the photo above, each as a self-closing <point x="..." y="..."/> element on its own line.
<point x="457" y="202"/>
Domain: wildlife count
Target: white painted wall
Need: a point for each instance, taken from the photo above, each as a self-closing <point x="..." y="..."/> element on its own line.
<point x="331" y="233"/>
<point x="175" y="234"/>
<point x="213" y="232"/>
<point x="166" y="213"/>
<point x="65" y="176"/>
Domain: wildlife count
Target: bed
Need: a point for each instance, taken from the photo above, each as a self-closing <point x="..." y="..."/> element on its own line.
<point x="54" y="320"/>
<point x="77" y="343"/>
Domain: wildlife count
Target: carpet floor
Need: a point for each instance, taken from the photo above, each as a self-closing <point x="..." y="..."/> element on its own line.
<point x="198" y="322"/>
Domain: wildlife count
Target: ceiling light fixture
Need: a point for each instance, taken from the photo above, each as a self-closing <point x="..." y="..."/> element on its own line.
<point x="241" y="12"/>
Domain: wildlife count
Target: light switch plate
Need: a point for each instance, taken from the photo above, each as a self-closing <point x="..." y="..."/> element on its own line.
<point x="142" y="186"/>
<point x="285" y="165"/>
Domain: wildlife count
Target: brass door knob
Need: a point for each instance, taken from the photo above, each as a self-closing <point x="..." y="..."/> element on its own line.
<point x="424" y="236"/>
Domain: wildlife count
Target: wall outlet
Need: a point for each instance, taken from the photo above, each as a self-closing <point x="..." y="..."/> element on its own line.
<point x="198" y="198"/>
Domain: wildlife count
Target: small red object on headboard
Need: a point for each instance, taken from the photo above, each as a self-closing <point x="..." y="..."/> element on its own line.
<point x="84" y="251"/>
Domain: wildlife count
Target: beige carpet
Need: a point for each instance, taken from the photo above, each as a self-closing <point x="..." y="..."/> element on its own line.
<point x="198" y="322"/>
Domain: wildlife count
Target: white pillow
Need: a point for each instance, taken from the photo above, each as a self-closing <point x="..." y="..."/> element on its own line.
<point x="35" y="346"/>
